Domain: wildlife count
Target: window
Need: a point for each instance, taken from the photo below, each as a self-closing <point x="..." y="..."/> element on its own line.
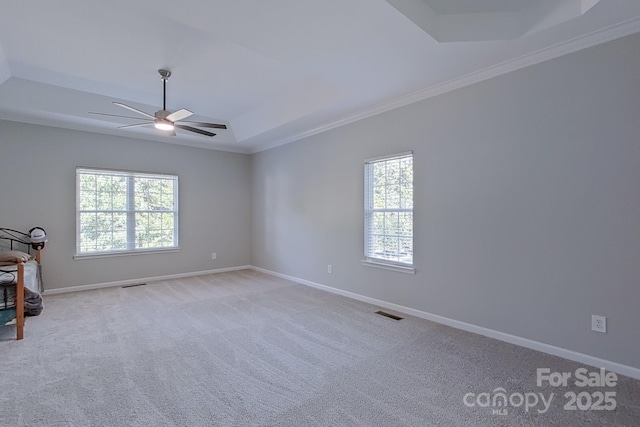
<point x="388" y="211"/>
<point x="123" y="212"/>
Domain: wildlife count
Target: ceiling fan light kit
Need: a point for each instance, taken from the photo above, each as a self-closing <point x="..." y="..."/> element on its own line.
<point x="164" y="119"/>
<point x="164" y="124"/>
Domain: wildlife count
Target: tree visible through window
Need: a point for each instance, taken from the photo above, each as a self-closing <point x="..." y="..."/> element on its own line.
<point x="389" y="209"/>
<point x="118" y="211"/>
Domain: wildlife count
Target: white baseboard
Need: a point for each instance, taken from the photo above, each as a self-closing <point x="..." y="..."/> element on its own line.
<point x="618" y="368"/>
<point x="141" y="280"/>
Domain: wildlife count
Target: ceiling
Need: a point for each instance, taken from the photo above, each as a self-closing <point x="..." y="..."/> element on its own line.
<point x="273" y="71"/>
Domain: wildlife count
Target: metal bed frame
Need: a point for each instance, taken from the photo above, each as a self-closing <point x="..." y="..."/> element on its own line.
<point x="13" y="237"/>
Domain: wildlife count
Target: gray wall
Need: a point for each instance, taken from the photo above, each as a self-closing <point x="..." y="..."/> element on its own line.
<point x="527" y="203"/>
<point x="37" y="170"/>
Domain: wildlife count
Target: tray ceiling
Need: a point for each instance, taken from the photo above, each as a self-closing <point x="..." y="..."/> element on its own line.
<point x="275" y="71"/>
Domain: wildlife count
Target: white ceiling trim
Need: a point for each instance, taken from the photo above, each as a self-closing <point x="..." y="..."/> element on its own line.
<point x="28" y="117"/>
<point x="573" y="45"/>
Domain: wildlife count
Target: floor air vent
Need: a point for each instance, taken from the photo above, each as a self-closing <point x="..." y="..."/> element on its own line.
<point x="133" y="286"/>
<point x="389" y="315"/>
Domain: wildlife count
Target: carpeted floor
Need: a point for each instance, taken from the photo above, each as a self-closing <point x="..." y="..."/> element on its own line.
<point x="247" y="349"/>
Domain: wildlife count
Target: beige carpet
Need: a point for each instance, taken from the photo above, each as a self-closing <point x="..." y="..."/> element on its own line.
<point x="246" y="349"/>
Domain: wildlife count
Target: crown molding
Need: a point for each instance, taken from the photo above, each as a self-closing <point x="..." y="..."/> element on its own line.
<point x="10" y="116"/>
<point x="554" y="51"/>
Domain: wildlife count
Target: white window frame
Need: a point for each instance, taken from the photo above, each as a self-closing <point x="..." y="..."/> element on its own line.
<point x="370" y="260"/>
<point x="130" y="212"/>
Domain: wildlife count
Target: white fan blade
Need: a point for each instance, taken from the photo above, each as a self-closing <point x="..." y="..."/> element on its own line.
<point x="179" y="115"/>
<point x="120" y="104"/>
<point x="114" y="115"/>
<point x="135" y="126"/>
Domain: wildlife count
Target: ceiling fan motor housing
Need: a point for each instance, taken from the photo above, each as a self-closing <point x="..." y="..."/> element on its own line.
<point x="162" y="114"/>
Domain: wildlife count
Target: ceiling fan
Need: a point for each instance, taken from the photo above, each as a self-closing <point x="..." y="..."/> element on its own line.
<point x="164" y="119"/>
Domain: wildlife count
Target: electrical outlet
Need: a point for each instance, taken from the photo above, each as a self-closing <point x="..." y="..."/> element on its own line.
<point x="213" y="255"/>
<point x="598" y="323"/>
<point x="329" y="269"/>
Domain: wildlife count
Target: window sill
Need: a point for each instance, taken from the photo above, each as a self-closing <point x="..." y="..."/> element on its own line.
<point x="124" y="253"/>
<point x="391" y="267"/>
